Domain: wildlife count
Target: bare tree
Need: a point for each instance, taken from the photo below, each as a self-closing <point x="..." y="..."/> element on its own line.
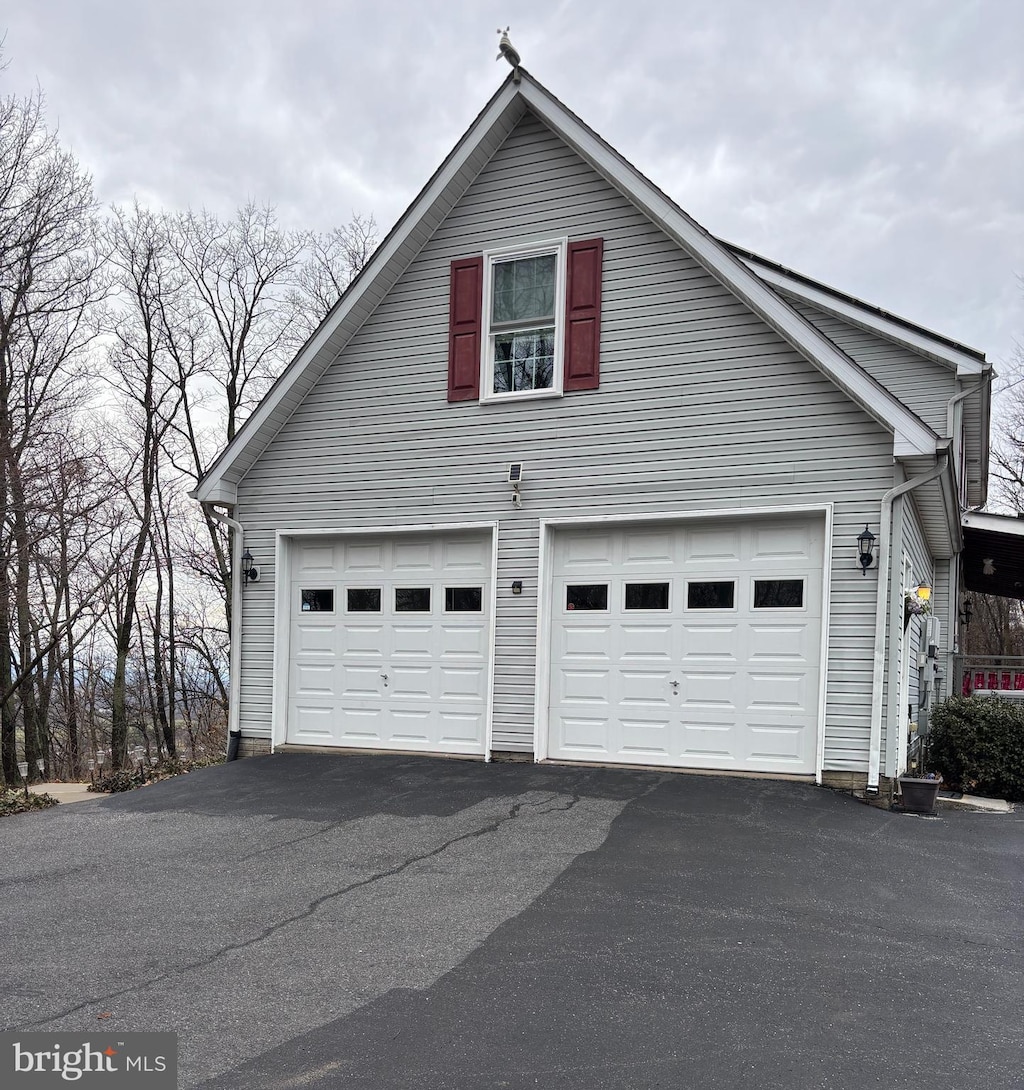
<point x="48" y="284"/>
<point x="147" y="381"/>
<point x="334" y="260"/>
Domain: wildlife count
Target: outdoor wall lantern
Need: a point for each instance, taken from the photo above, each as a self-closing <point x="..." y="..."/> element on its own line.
<point x="966" y="613"/>
<point x="923" y="592"/>
<point x="865" y="549"/>
<point x="517" y="586"/>
<point x="250" y="572"/>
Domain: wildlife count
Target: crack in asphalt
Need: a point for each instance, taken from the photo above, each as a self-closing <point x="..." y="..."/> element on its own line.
<point x="312" y="907"/>
<point x="329" y="827"/>
<point x="43" y="876"/>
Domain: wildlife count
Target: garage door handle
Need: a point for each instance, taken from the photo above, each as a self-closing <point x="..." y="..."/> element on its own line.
<point x="385" y="677"/>
<point x="675" y="686"/>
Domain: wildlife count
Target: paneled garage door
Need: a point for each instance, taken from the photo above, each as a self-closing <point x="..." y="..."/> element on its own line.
<point x="390" y="641"/>
<point x="690" y="646"/>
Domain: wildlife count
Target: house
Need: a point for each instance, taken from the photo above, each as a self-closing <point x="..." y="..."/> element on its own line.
<point x="562" y="475"/>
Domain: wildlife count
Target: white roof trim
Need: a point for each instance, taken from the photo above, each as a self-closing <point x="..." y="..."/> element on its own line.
<point x="867" y="317"/>
<point x="999" y="524"/>
<point x="912" y="435"/>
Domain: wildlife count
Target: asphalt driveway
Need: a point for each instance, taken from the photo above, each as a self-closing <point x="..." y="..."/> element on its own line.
<point x="385" y="922"/>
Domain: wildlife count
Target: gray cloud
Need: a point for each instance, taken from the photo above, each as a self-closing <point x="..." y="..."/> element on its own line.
<point x="875" y="146"/>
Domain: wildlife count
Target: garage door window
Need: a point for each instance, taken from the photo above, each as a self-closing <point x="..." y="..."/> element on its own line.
<point x="778" y="594"/>
<point x="463" y="599"/>
<point x="646" y="596"/>
<point x="718" y="594"/>
<point x="412" y="599"/>
<point x="317" y="601"/>
<point x="586" y="596"/>
<point x="364" y="599"/>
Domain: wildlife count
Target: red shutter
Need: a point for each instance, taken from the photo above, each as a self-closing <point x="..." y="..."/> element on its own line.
<point x="583" y="315"/>
<point x="465" y="297"/>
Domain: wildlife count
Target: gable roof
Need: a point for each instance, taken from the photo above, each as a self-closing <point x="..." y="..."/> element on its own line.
<point x="959" y="357"/>
<point x="968" y="364"/>
<point x="912" y="437"/>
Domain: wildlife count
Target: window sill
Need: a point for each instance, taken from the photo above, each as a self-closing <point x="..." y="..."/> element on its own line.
<point x="526" y="395"/>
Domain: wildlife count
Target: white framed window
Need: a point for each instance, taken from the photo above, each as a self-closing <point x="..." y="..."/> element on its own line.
<point x="646" y="596"/>
<point x="783" y="593"/>
<point x="523" y="321"/>
<point x="711" y="594"/>
<point x="316" y="599"/>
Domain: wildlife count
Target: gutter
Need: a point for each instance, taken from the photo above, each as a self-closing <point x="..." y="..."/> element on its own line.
<point x="881" y="615"/>
<point x="985" y="383"/>
<point x="235" y="636"/>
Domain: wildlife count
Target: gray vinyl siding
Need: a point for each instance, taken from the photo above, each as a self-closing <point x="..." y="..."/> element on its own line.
<point x="909" y="638"/>
<point x="945" y="598"/>
<point x="922" y="385"/>
<point x="701" y="407"/>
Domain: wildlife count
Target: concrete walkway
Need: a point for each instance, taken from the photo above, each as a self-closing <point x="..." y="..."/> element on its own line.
<point x="977" y="803"/>
<point x="67" y="792"/>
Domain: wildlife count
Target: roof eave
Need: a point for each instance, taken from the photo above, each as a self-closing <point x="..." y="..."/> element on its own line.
<point x="960" y="358"/>
<point x="937" y="502"/>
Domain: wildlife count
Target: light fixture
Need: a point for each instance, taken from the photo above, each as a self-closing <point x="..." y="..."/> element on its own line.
<point x="865" y="549"/>
<point x="250" y="572"/>
<point x="515" y="478"/>
<point x="966" y="613"/>
<point x="923" y="591"/>
<point x="517" y="586"/>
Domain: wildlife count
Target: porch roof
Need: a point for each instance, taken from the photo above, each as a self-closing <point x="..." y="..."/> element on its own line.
<point x="993" y="556"/>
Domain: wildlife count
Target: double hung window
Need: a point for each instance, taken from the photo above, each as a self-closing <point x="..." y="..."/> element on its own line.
<point x="525" y="321"/>
<point x="524" y="312"/>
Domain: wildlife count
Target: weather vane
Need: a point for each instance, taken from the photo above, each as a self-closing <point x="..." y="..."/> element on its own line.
<point x="507" y="50"/>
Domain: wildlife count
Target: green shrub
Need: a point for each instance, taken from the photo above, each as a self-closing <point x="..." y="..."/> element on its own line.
<point x="125" y="780"/>
<point x="977" y="743"/>
<point x="15" y="802"/>
<point x="139" y="775"/>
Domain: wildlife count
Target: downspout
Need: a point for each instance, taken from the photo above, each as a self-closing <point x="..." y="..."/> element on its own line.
<point x="961" y="396"/>
<point x="881" y="617"/>
<point x="235" y="636"/>
<point x="953" y="610"/>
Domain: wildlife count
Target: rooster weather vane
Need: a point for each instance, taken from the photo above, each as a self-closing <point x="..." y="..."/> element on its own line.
<point x="507" y="50"/>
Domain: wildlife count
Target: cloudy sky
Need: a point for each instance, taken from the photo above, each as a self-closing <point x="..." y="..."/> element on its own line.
<point x="875" y="145"/>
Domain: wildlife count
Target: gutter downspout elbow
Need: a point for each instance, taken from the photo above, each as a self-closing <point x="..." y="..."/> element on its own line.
<point x="881" y="617"/>
<point x="951" y="404"/>
<point x="235" y="635"/>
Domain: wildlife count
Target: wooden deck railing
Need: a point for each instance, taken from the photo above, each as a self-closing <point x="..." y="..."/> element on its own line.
<point x="989" y="673"/>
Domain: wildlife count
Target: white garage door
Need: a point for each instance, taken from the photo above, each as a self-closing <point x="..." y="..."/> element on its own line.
<point x="390" y="641"/>
<point x="688" y="646"/>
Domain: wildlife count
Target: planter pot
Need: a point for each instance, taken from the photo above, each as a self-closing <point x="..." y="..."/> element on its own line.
<point x="918" y="795"/>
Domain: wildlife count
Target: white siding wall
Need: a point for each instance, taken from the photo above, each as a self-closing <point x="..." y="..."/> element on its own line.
<point x="922" y="385"/>
<point x="946" y="607"/>
<point x="701" y="406"/>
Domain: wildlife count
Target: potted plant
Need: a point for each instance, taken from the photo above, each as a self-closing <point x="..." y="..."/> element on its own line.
<point x="918" y="793"/>
<point x="914" y="606"/>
